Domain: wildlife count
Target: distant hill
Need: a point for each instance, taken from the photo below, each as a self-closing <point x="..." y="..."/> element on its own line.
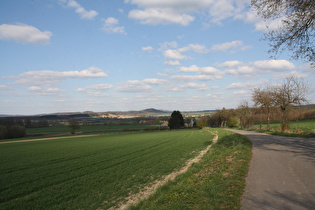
<point x="90" y="114"/>
<point x="155" y="110"/>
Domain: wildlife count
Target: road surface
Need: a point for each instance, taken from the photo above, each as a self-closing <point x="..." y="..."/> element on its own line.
<point x="281" y="173"/>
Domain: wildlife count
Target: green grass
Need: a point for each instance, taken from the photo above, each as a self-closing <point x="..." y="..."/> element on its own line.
<point x="305" y="128"/>
<point x="91" y="172"/>
<point x="88" y="129"/>
<point x="216" y="182"/>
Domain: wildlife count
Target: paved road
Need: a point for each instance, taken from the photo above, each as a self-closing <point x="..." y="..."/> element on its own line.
<point x="281" y="173"/>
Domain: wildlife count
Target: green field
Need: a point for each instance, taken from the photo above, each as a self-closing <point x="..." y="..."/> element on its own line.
<point x="89" y="129"/>
<point x="305" y="128"/>
<point x="91" y="172"/>
<point x="216" y="182"/>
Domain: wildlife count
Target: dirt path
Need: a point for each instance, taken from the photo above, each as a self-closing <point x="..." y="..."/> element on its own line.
<point x="151" y="188"/>
<point x="281" y="173"/>
<point x="43" y="139"/>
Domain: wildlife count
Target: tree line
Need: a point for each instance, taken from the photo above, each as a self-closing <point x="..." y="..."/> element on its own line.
<point x="272" y="103"/>
<point x="16" y="128"/>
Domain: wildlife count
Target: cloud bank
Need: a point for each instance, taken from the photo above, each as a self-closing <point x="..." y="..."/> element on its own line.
<point x="23" y="33"/>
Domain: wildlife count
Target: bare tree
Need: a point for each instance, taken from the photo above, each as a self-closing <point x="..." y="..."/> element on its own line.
<point x="263" y="99"/>
<point x="296" y="32"/>
<point x="292" y="91"/>
<point x="74" y="124"/>
<point x="245" y="115"/>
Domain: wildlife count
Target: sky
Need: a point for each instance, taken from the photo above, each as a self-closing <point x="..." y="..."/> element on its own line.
<point x="121" y="55"/>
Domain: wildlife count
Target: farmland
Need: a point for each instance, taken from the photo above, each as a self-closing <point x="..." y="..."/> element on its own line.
<point x="91" y="172"/>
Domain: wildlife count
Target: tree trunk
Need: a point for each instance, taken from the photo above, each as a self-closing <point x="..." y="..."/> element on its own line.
<point x="268" y="120"/>
<point x="260" y="125"/>
<point x="283" y="124"/>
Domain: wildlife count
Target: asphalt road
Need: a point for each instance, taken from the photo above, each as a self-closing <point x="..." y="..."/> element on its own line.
<point x="281" y="173"/>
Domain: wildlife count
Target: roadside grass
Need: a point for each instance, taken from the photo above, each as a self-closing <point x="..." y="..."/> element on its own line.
<point x="91" y="172"/>
<point x="216" y="182"/>
<point x="305" y="129"/>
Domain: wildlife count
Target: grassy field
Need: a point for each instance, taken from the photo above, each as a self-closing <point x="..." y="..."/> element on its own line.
<point x="91" y="172"/>
<point x="89" y="129"/>
<point x="305" y="128"/>
<point x="216" y="182"/>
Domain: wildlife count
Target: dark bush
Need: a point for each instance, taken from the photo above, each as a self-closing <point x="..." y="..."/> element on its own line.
<point x="3" y="132"/>
<point x="16" y="131"/>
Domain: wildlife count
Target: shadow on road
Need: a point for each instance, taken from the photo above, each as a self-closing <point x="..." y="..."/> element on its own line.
<point x="287" y="201"/>
<point x="298" y="146"/>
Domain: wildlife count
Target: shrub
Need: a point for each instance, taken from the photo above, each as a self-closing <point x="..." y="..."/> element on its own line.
<point x="16" y="131"/>
<point x="233" y="122"/>
<point x="3" y="132"/>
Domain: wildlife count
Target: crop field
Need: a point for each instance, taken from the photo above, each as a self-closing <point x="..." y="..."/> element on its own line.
<point x="91" y="172"/>
<point x="89" y="129"/>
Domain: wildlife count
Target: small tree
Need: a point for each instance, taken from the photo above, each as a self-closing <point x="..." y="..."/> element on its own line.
<point x="245" y="115"/>
<point x="203" y="122"/>
<point x="176" y="121"/>
<point x="74" y="124"/>
<point x="233" y="122"/>
<point x="292" y="91"/>
<point x="263" y="99"/>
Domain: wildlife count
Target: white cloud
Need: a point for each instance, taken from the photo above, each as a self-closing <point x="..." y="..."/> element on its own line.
<point x="4" y="87"/>
<point x="45" y="91"/>
<point x="180" y="5"/>
<point x="274" y="64"/>
<point x="281" y="76"/>
<point x="194" y="47"/>
<point x="174" y="54"/>
<point x="153" y="81"/>
<point x="111" y="25"/>
<point x="186" y="78"/>
<point x="260" y="23"/>
<point x="229" y="46"/>
<point x="172" y="63"/>
<point x="241" y="92"/>
<point x="133" y="86"/>
<point x="148" y="49"/>
<point x="155" y="16"/>
<point x="24" y="34"/>
<point x="180" y="11"/>
<point x="101" y="87"/>
<point x="196" y="86"/>
<point x="166" y="45"/>
<point x="184" y="87"/>
<point x="50" y="78"/>
<point x="221" y="10"/>
<point x="203" y="73"/>
<point x="201" y="70"/>
<point x="256" y="68"/>
<point x="84" y="14"/>
<point x="230" y="64"/>
<point x="240" y="85"/>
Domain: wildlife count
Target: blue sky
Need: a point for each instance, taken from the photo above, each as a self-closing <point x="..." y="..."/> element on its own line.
<point x="119" y="55"/>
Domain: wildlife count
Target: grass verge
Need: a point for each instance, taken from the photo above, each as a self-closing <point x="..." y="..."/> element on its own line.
<point x="216" y="182"/>
<point x="304" y="129"/>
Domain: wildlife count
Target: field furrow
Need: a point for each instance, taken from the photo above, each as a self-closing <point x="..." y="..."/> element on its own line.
<point x="86" y="171"/>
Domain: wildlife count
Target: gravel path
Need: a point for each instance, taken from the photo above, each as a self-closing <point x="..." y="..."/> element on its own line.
<point x="281" y="173"/>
